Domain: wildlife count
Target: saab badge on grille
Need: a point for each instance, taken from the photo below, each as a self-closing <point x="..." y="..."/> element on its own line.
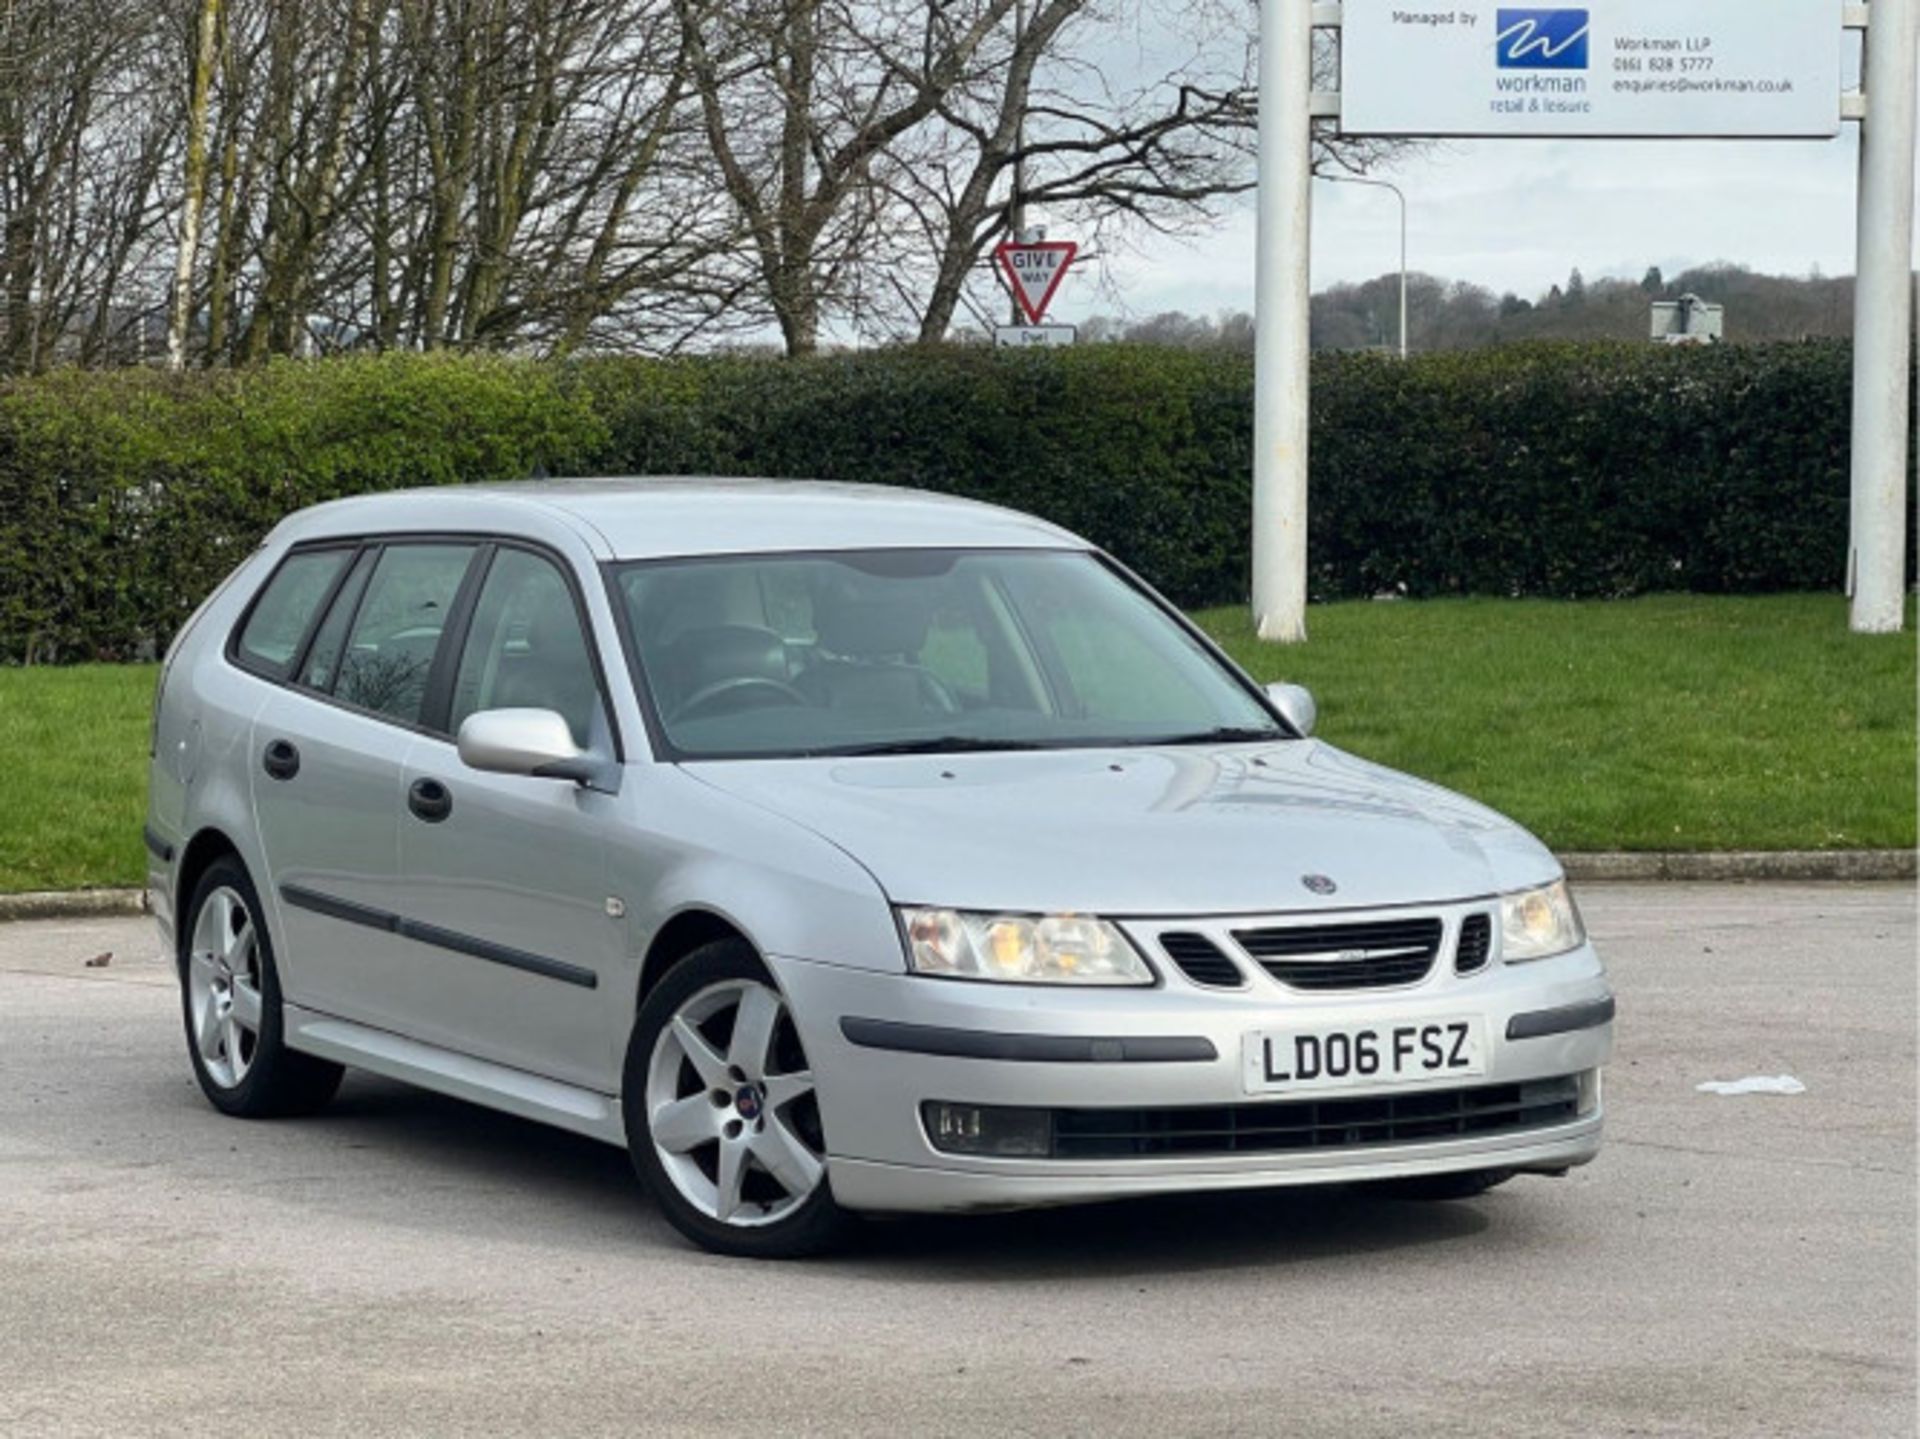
<point x="1318" y="883"/>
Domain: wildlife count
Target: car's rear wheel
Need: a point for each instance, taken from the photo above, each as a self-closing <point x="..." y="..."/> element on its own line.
<point x="230" y="995"/>
<point x="722" y="1119"/>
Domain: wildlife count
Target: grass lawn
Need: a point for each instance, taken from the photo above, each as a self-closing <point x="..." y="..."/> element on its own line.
<point x="1671" y="722"/>
<point x="74" y="792"/>
<point x="1676" y="722"/>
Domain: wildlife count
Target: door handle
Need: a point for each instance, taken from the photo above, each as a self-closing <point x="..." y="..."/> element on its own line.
<point x="281" y="759"/>
<point x="430" y="800"/>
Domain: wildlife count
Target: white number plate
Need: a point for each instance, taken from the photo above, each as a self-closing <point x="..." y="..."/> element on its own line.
<point x="1348" y="1056"/>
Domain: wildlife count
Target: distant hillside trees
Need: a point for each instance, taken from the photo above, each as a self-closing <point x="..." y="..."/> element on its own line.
<point x="1455" y="315"/>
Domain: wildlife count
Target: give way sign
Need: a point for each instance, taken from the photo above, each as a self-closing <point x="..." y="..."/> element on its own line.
<point x="1034" y="271"/>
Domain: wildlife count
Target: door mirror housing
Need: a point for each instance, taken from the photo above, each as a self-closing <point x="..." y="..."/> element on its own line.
<point x="524" y="741"/>
<point x="1296" y="705"/>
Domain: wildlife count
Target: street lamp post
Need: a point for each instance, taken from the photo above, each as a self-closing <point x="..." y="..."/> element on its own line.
<point x="1388" y="185"/>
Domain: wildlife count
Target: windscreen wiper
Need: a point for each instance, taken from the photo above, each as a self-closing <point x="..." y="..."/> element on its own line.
<point x="936" y="744"/>
<point x="1223" y="734"/>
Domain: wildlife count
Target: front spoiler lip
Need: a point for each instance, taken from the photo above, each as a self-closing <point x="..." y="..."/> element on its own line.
<point x="877" y="1185"/>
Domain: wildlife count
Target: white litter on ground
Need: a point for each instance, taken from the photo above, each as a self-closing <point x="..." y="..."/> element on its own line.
<point x="1754" y="1084"/>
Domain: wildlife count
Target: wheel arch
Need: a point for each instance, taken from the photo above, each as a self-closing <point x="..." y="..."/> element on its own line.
<point x="208" y="844"/>
<point x="680" y="936"/>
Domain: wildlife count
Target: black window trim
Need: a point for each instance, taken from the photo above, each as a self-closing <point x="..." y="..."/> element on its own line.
<point x="666" y="751"/>
<point x="434" y="705"/>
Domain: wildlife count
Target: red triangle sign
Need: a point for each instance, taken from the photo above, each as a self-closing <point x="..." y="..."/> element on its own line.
<point x="1034" y="272"/>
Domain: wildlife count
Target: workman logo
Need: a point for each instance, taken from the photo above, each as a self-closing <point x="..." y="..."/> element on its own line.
<point x="1541" y="39"/>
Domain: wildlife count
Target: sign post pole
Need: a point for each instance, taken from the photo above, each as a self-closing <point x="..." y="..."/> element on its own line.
<point x="1882" y="314"/>
<point x="1281" y="300"/>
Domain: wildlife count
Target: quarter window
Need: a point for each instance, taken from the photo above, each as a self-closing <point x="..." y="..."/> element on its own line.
<point x="323" y="655"/>
<point x="396" y="632"/>
<point x="526" y="650"/>
<point x="286" y="608"/>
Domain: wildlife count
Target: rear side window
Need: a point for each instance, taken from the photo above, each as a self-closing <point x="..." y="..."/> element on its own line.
<point x="286" y="609"/>
<point x="396" y="630"/>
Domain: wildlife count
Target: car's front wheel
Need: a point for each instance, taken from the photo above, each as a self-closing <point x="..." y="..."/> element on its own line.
<point x="230" y="992"/>
<point x="722" y="1119"/>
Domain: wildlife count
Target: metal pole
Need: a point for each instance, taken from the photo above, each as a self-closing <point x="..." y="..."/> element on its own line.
<point x="1403" y="268"/>
<point x="1281" y="299"/>
<point x="1388" y="185"/>
<point x="1017" y="210"/>
<point x="1883" y="297"/>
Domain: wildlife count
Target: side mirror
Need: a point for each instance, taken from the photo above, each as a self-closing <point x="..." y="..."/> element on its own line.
<point x="524" y="741"/>
<point x="1296" y="706"/>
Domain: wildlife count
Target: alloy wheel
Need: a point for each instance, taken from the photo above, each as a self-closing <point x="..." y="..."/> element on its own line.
<point x="223" y="987"/>
<point x="730" y="1106"/>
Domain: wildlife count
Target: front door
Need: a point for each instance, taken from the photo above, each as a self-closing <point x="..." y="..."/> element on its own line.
<point x="512" y="954"/>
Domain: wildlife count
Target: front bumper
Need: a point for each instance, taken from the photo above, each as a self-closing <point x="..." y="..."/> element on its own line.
<point x="1056" y="1048"/>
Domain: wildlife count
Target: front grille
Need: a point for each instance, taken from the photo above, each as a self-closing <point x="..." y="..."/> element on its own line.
<point x="1476" y="941"/>
<point x="1420" y="1116"/>
<point x="1373" y="954"/>
<point x="1201" y="960"/>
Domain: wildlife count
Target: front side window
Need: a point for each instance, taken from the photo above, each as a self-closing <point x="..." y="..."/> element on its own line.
<point x="281" y="616"/>
<point x="526" y="650"/>
<point x="396" y="629"/>
<point x="876" y="651"/>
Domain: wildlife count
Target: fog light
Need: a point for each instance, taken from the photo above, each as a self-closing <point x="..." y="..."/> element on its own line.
<point x="988" y="1129"/>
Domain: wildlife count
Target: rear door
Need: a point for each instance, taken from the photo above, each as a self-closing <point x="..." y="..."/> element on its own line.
<point x="327" y="754"/>
<point x="514" y="955"/>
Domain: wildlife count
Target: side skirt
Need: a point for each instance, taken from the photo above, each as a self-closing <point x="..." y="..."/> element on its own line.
<point x="445" y="1071"/>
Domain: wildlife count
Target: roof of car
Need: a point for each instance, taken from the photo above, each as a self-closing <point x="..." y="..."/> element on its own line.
<point x="634" y="518"/>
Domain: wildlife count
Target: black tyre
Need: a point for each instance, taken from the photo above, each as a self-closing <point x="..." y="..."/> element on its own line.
<point x="722" y="1120"/>
<point x="230" y="999"/>
<point x="1469" y="1184"/>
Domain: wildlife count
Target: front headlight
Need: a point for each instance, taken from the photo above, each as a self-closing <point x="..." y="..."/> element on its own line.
<point x="1020" y="948"/>
<point x="1536" y="923"/>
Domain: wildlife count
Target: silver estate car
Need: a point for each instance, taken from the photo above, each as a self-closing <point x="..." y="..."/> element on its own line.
<point x="835" y="849"/>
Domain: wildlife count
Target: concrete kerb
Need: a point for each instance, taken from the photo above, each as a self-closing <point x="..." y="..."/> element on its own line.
<point x="1786" y="865"/>
<point x="72" y="904"/>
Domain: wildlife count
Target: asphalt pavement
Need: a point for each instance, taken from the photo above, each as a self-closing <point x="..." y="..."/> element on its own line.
<point x="409" y="1264"/>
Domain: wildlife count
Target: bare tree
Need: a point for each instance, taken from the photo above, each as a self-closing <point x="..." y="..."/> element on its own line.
<point x="193" y="180"/>
<point x="810" y="107"/>
<point x="251" y="178"/>
<point x="79" y="159"/>
<point x="1109" y="159"/>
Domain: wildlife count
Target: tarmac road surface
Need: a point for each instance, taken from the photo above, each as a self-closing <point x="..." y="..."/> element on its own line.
<point x="408" y="1264"/>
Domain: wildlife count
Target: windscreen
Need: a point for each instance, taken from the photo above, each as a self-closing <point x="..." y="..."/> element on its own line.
<point x="902" y="651"/>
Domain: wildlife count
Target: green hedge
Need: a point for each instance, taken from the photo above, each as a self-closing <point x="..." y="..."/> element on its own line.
<point x="1559" y="470"/>
<point x="126" y="495"/>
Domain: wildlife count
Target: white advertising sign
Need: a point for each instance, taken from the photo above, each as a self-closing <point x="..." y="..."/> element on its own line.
<point x="1759" y="68"/>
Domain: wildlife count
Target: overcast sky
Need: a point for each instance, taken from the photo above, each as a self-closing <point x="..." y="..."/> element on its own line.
<point x="1518" y="214"/>
<point x="1514" y="215"/>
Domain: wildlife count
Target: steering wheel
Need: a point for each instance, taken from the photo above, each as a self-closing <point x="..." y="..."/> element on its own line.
<point x="775" y="692"/>
<point x="943" y="697"/>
